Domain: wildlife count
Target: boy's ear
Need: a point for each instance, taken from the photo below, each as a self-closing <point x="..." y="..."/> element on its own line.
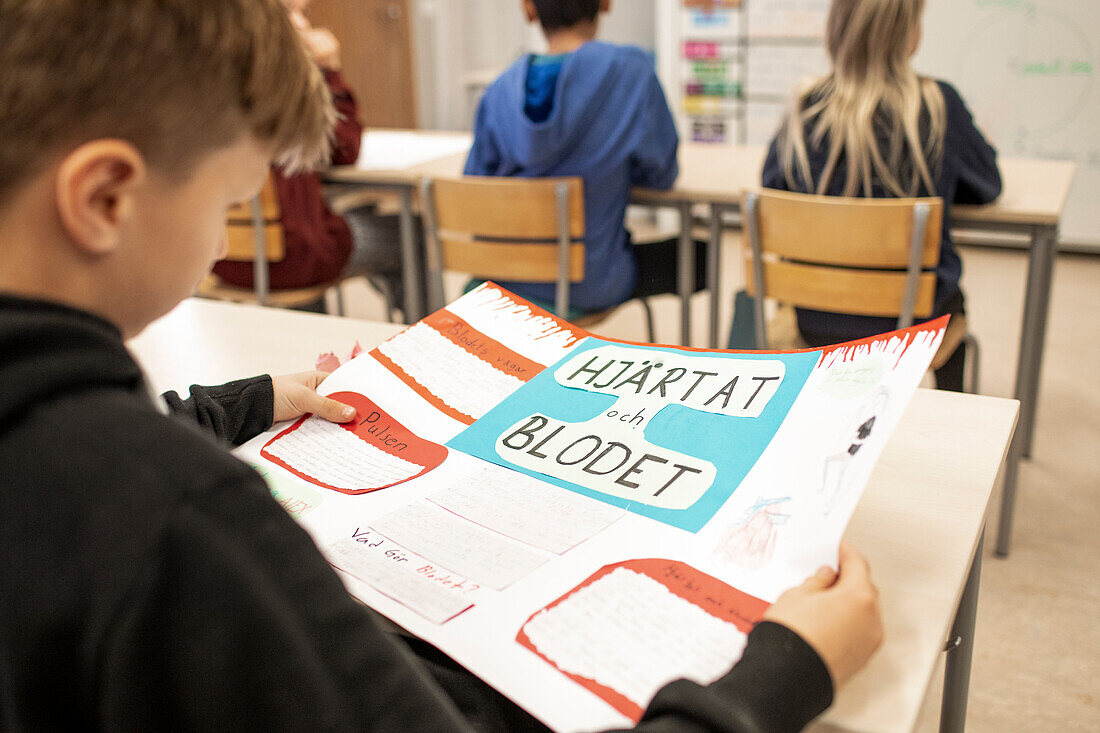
<point x="605" y="6"/>
<point x="95" y="192"/>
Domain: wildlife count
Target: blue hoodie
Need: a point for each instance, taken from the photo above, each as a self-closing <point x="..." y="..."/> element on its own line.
<point x="608" y="123"/>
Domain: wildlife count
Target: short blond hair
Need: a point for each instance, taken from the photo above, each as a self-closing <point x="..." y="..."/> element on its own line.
<point x="175" y="78"/>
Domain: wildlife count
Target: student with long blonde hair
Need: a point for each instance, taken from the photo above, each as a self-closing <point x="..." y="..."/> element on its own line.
<point x="873" y="127"/>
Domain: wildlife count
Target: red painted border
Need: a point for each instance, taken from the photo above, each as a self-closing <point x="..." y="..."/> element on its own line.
<point x="423" y="452"/>
<point x="720" y="600"/>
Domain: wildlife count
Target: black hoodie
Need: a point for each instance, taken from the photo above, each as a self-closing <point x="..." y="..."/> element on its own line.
<point x="148" y="581"/>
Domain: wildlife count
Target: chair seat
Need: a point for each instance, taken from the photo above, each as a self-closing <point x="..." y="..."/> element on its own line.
<point x="213" y="286"/>
<point x="953" y="335"/>
<point x="591" y="319"/>
<point x="783" y="335"/>
<point x="783" y="332"/>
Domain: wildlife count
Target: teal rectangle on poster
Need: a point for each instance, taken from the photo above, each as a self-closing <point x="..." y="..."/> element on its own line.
<point x="732" y="443"/>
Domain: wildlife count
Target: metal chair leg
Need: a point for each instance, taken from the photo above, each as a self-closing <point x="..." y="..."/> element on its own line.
<point x="650" y="333"/>
<point x="339" y="300"/>
<point x="973" y="358"/>
<point x="382" y="285"/>
<point x="388" y="297"/>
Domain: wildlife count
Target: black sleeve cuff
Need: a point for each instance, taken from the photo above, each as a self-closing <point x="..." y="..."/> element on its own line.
<point x="234" y="412"/>
<point x="779" y="686"/>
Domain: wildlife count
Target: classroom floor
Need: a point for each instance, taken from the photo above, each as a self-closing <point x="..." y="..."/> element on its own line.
<point x="1037" y="648"/>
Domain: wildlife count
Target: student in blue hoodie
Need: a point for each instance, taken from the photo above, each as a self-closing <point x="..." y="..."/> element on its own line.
<point x="593" y="110"/>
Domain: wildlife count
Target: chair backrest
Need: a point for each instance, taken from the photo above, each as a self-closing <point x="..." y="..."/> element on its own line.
<point x="524" y="229"/>
<point x="254" y="233"/>
<point x="858" y="256"/>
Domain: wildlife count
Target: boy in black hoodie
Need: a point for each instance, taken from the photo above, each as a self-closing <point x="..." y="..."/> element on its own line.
<point x="149" y="581"/>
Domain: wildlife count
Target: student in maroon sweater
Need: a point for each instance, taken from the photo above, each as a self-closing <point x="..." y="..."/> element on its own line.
<point x="318" y="242"/>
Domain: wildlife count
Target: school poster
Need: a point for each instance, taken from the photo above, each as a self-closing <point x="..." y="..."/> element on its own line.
<point x="665" y="433"/>
<point x="579" y="521"/>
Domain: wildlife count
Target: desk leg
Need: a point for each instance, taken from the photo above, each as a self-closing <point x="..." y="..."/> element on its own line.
<point x="714" y="271"/>
<point x="956" y="678"/>
<point x="1040" y="271"/>
<point x="1008" y="494"/>
<point x="411" y="271"/>
<point x="686" y="265"/>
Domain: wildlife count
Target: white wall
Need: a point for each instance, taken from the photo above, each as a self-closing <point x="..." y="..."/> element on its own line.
<point x="461" y="45"/>
<point x="452" y="39"/>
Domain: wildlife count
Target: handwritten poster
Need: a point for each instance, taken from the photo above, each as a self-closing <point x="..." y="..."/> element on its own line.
<point x="610" y="634"/>
<point x="575" y="520"/>
<point x="372" y="452"/>
<point x="662" y="432"/>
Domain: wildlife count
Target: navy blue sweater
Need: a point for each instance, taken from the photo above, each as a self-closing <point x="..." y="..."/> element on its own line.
<point x="968" y="175"/>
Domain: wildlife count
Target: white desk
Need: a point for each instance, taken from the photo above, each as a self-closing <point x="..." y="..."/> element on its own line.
<point x="1034" y="197"/>
<point x="919" y="523"/>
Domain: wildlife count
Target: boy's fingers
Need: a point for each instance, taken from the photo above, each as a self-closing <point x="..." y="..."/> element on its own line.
<point x="315" y="378"/>
<point x="852" y="565"/>
<point x="337" y="411"/>
<point x="822" y="579"/>
<point x="329" y="409"/>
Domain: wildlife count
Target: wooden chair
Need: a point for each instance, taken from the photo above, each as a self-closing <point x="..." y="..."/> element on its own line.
<point x="254" y="233"/>
<point x="860" y="256"/>
<point x="521" y="229"/>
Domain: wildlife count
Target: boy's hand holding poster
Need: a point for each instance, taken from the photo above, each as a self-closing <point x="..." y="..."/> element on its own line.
<point x="580" y="521"/>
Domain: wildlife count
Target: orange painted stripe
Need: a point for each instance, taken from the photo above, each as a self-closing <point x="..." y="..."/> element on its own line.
<point x="417" y="387"/>
<point x="494" y="353"/>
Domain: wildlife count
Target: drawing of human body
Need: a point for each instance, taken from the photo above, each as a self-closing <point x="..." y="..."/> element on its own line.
<point x="833" y="485"/>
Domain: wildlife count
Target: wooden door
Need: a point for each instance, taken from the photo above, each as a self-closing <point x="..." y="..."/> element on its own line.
<point x="376" y="51"/>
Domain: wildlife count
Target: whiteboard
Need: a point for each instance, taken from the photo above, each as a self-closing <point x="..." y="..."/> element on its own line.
<point x="787" y="18"/>
<point x="1026" y="68"/>
<point x="1028" y="71"/>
